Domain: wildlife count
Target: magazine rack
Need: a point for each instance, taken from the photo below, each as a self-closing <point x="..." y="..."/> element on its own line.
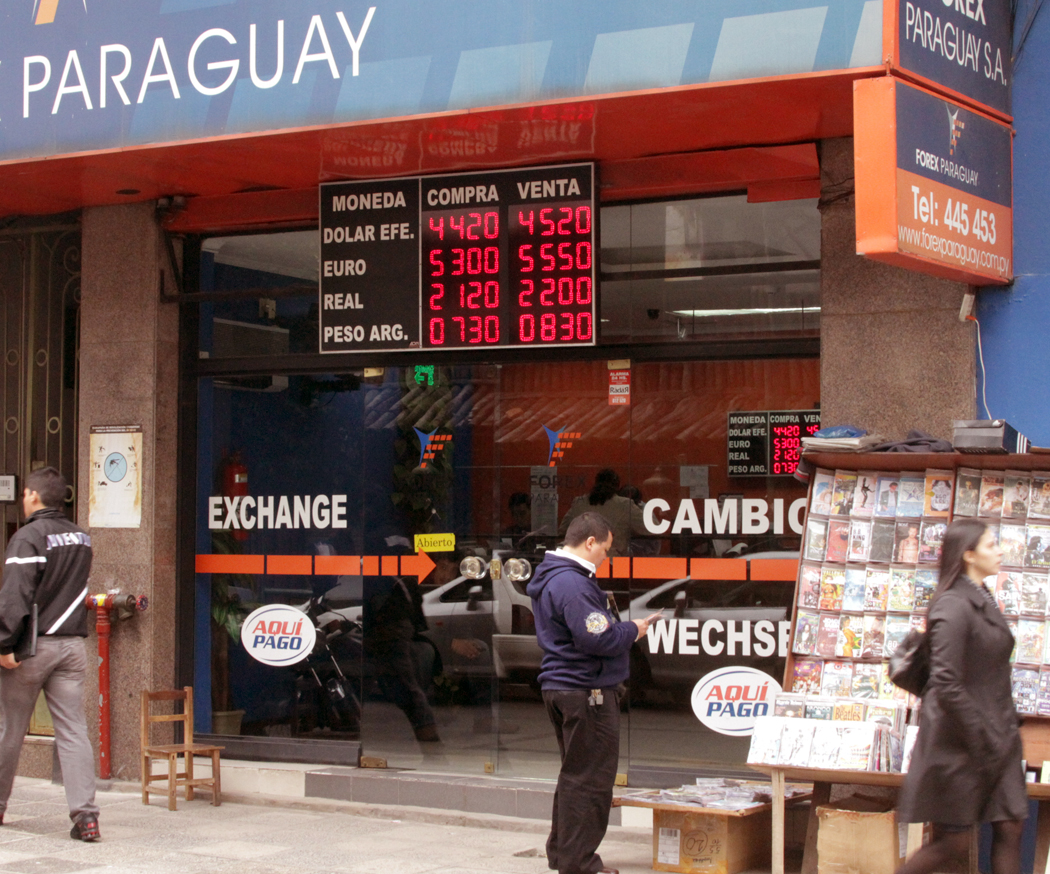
<point x="1035" y="732"/>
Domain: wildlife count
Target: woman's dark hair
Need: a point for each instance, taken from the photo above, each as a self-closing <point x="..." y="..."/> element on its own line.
<point x="606" y="485"/>
<point x="962" y="535"/>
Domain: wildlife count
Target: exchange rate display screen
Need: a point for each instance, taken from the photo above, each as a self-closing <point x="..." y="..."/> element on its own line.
<point x="769" y="442"/>
<point x="468" y="261"/>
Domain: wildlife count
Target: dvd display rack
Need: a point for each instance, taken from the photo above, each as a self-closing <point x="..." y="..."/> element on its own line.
<point x="872" y="537"/>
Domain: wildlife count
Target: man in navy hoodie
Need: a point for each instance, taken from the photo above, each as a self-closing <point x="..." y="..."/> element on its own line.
<point x="585" y="662"/>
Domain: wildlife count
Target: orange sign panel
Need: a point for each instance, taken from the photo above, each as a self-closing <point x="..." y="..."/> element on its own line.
<point x="933" y="184"/>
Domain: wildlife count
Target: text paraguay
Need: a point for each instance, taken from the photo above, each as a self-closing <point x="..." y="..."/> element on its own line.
<point x="316" y="48"/>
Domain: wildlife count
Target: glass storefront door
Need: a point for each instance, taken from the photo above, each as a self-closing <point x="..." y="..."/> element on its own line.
<point x="317" y="487"/>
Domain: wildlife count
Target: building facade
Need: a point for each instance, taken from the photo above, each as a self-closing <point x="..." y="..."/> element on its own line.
<point x="166" y="188"/>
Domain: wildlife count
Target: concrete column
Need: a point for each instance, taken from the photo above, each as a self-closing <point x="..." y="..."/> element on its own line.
<point x="893" y="353"/>
<point x="129" y="375"/>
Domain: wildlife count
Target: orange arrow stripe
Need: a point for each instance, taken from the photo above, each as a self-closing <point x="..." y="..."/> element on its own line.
<point x="718" y="569"/>
<point x="419" y="565"/>
<point x="774" y="569"/>
<point x="337" y="564"/>
<point x="665" y="568"/>
<point x="290" y="564"/>
<point x="230" y="564"/>
<point x="670" y="568"/>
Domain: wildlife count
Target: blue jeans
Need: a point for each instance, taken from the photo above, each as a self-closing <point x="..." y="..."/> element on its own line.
<point x="58" y="668"/>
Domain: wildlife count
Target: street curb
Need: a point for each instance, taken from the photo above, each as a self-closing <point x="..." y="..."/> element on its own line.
<point x="429" y="815"/>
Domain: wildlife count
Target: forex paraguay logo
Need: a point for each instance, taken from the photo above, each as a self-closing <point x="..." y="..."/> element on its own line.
<point x="44" y="10"/>
<point x="559" y="442"/>
<point x="955" y="128"/>
<point x="430" y="445"/>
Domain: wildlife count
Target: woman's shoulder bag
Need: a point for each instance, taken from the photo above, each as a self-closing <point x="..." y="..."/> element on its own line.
<point x="910" y="663"/>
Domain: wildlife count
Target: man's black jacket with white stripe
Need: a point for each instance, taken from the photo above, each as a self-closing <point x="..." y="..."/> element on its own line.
<point x="48" y="561"/>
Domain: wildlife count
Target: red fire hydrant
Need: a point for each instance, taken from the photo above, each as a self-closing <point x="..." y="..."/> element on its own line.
<point x="125" y="605"/>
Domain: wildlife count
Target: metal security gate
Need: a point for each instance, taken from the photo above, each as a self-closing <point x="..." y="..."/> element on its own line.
<point x="40" y="329"/>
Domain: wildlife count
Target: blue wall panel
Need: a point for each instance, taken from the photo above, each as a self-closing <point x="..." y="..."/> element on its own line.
<point x="1015" y="320"/>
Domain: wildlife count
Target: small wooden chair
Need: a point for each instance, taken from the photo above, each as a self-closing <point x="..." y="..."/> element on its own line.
<point x="187" y="749"/>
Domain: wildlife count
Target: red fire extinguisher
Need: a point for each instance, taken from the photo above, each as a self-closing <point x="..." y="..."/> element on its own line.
<point x="235" y="484"/>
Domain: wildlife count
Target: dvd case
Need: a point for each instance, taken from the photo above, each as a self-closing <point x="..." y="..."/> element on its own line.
<point x="832" y="582"/>
<point x="991" y="501"/>
<point x="864" y="493"/>
<point x="874" y="635"/>
<point x="806" y="625"/>
<point x="912" y="496"/>
<point x="967" y="491"/>
<point x="937" y="493"/>
<point x="809" y="586"/>
<point x="853" y="590"/>
<point x="842" y="492"/>
<point x="876" y="588"/>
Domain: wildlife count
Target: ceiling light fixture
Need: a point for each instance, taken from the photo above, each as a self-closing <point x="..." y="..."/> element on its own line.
<point x="751" y="311"/>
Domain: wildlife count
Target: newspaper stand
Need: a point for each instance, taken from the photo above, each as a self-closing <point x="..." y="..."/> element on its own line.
<point x="1035" y="732"/>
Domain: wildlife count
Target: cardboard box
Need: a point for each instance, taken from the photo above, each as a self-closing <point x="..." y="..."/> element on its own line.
<point x="711" y="843"/>
<point x="859" y="834"/>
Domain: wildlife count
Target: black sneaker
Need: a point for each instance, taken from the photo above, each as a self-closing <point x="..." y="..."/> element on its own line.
<point x="85" y="830"/>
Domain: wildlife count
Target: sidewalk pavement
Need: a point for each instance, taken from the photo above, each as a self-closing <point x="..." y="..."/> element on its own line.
<point x="279" y="836"/>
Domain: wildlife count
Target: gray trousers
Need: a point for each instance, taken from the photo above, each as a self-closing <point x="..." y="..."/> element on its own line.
<point x="58" y="668"/>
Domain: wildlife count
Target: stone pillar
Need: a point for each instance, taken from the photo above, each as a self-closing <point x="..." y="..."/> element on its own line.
<point x="893" y="353"/>
<point x="129" y="375"/>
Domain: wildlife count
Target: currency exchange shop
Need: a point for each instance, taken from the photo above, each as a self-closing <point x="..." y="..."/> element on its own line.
<point x="564" y="349"/>
<point x="392" y="292"/>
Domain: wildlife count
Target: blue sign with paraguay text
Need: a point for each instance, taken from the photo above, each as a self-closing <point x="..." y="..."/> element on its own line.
<point x="964" y="45"/>
<point x="78" y="75"/>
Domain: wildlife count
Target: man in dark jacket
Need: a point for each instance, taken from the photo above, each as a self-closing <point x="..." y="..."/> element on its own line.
<point x="586" y="658"/>
<point x="47" y="564"/>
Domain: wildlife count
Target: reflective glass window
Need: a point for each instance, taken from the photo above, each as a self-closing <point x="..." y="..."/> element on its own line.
<point x="329" y="470"/>
<point x="682" y="271"/>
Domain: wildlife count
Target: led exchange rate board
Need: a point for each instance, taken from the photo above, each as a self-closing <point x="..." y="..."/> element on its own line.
<point x="768" y="442"/>
<point x="465" y="261"/>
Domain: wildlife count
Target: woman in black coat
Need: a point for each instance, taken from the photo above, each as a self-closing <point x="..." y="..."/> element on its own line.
<point x="966" y="766"/>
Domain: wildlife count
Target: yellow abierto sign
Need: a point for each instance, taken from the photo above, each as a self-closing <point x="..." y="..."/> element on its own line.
<point x="435" y="542"/>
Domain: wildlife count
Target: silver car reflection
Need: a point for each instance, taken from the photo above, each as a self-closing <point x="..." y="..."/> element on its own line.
<point x="664" y="660"/>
